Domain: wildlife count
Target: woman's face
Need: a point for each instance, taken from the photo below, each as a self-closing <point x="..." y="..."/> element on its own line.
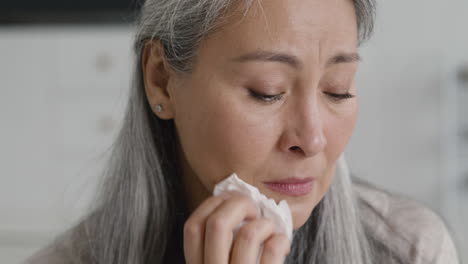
<point x="262" y="102"/>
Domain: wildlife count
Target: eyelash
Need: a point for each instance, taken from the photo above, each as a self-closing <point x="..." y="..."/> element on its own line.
<point x="340" y="97"/>
<point x="267" y="98"/>
<point x="276" y="97"/>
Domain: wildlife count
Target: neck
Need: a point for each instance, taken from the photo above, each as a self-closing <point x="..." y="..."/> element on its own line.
<point x="195" y="191"/>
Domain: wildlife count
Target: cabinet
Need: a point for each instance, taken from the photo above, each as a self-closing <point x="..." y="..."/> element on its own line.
<point x="455" y="152"/>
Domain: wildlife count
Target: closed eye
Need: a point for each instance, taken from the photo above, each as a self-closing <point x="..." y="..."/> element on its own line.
<point x="268" y="98"/>
<point x="339" y="97"/>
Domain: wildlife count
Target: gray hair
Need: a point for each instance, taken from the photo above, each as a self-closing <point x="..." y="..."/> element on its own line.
<point x="181" y="25"/>
<point x="141" y="210"/>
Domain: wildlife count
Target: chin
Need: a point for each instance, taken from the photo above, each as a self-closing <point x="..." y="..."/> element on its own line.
<point x="302" y="209"/>
<point x="300" y="215"/>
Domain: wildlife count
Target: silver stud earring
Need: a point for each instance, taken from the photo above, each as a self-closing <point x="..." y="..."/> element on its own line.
<point x="158" y="108"/>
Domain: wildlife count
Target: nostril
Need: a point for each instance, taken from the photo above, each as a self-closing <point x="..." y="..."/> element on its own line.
<point x="295" y="149"/>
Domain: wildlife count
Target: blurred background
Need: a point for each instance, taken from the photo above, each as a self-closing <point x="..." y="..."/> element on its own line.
<point x="65" y="70"/>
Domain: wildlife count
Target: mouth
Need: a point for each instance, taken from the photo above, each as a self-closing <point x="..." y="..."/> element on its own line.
<point x="291" y="186"/>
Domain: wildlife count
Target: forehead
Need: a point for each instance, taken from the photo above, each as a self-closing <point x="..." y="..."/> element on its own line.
<point x="315" y="28"/>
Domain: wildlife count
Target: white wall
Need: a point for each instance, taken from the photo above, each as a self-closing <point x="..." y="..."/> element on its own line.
<point x="401" y="82"/>
<point x="63" y="94"/>
<point x="400" y="141"/>
<point x="64" y="89"/>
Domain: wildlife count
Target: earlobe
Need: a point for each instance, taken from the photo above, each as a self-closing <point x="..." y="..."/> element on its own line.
<point x="156" y="75"/>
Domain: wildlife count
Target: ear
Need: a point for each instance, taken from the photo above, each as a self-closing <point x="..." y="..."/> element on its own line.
<point x="156" y="74"/>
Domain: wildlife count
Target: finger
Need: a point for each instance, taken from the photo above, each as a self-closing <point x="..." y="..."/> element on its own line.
<point x="275" y="249"/>
<point x="220" y="225"/>
<point x="248" y="240"/>
<point x="194" y="230"/>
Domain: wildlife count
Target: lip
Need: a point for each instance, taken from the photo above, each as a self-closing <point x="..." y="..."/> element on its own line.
<point x="291" y="186"/>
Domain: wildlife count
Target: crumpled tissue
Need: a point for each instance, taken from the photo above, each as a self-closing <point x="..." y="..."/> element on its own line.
<point x="279" y="213"/>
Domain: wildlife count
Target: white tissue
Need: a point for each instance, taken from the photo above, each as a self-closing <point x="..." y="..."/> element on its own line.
<point x="279" y="213"/>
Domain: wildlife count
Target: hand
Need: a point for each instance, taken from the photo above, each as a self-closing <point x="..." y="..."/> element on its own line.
<point x="209" y="239"/>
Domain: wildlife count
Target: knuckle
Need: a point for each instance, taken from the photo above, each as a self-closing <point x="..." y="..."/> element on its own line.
<point x="218" y="198"/>
<point x="191" y="229"/>
<point x="285" y="243"/>
<point x="277" y="246"/>
<point x="270" y="249"/>
<point x="247" y="234"/>
<point x="244" y="199"/>
<point x="247" y="203"/>
<point x="283" y="238"/>
<point x="266" y="223"/>
<point x="216" y="224"/>
<point x="286" y="246"/>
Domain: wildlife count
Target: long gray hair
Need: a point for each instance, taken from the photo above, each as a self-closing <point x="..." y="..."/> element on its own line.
<point x="141" y="211"/>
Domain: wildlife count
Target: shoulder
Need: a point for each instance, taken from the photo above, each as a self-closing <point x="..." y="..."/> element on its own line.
<point x="411" y="229"/>
<point x="65" y="249"/>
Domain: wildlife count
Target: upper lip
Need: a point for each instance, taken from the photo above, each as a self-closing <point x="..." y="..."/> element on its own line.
<point x="292" y="180"/>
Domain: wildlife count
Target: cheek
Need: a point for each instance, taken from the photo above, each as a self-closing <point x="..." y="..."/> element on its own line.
<point x="219" y="137"/>
<point x="338" y="128"/>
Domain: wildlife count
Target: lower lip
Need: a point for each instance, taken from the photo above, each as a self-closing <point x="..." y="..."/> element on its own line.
<point x="291" y="189"/>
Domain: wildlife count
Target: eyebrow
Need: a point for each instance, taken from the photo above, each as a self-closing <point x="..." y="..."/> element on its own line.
<point x="294" y="61"/>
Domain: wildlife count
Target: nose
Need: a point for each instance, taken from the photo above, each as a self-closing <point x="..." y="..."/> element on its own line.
<point x="304" y="133"/>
